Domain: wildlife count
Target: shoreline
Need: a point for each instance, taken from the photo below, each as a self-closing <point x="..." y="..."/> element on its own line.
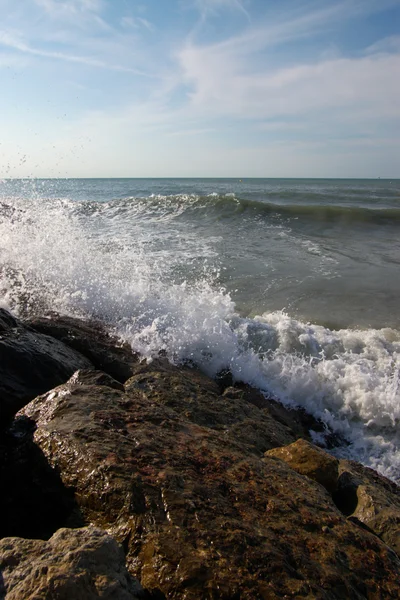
<point x="213" y="490"/>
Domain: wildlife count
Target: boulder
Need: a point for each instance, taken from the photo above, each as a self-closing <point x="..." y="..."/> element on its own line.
<point x="166" y="467"/>
<point x="194" y="395"/>
<point x="371" y="499"/>
<point x="90" y="338"/>
<point x="311" y="461"/>
<point x="74" y="564"/>
<point x="30" y="363"/>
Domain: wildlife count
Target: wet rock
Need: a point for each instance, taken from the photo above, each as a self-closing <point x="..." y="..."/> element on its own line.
<point x="7" y="321"/>
<point x="189" y="374"/>
<point x="371" y="499"/>
<point x="200" y="513"/>
<point x="75" y="564"/>
<point x="30" y="364"/>
<point x="34" y="502"/>
<point x="196" y="397"/>
<point x="301" y="423"/>
<point x="311" y="461"/>
<point x="90" y="339"/>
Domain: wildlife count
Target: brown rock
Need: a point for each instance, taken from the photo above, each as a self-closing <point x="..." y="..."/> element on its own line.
<point x="200" y="513"/>
<point x="298" y="421"/>
<point x="372" y="499"/>
<point x="197" y="398"/>
<point x="75" y="564"/>
<point x="308" y="460"/>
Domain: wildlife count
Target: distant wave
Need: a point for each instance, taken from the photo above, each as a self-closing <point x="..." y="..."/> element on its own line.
<point x="229" y="206"/>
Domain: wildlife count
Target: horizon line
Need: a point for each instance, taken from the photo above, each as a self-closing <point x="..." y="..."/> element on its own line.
<point x="30" y="177"/>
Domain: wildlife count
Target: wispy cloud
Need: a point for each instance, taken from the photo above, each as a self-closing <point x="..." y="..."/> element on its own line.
<point x="9" y="40"/>
<point x="225" y="88"/>
<point x="137" y="23"/>
<point x="228" y="78"/>
<point x="272" y="78"/>
<point x="207" y="7"/>
<point x="388" y="44"/>
<point x="58" y="8"/>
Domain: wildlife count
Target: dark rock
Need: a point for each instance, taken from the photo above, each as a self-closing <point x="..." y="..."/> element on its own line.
<point x="90" y="339"/>
<point x="199" y="513"/>
<point x="311" y="461"/>
<point x="224" y="379"/>
<point x="30" y="364"/>
<point x="75" y="564"/>
<point x="34" y="502"/>
<point x="372" y="499"/>
<point x="7" y="321"/>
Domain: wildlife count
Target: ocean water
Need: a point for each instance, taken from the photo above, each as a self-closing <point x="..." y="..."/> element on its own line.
<point x="293" y="285"/>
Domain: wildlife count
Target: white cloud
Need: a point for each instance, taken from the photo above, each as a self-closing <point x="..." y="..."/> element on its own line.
<point x="343" y="105"/>
<point x="221" y="87"/>
<point x="237" y="77"/>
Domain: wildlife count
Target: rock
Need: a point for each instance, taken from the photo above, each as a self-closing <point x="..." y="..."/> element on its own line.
<point x="7" y="321"/>
<point x="34" y="502"/>
<point x="199" y="511"/>
<point x="196" y="396"/>
<point x="30" y="363"/>
<point x="75" y="564"/>
<point x="91" y="340"/>
<point x="372" y="499"/>
<point x="311" y="461"/>
<point x="301" y="423"/>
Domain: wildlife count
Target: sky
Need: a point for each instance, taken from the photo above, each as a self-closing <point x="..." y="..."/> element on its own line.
<point x="200" y="88"/>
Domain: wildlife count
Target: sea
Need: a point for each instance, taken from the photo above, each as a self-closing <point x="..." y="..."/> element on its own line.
<point x="291" y="284"/>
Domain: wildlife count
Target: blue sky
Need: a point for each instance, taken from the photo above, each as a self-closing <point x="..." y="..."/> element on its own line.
<point x="207" y="88"/>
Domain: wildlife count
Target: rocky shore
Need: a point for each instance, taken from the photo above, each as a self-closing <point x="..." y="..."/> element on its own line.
<point x="127" y="480"/>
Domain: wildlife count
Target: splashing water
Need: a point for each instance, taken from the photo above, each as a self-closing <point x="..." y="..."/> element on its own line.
<point x="146" y="273"/>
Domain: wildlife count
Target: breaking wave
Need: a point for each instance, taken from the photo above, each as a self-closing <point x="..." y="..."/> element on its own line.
<point x="113" y="261"/>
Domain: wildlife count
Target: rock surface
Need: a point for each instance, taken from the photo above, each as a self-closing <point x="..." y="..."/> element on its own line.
<point x="176" y="473"/>
<point x="311" y="461"/>
<point x="30" y="363"/>
<point x="91" y="340"/>
<point x="300" y="423"/>
<point x="370" y="499"/>
<point x="75" y="564"/>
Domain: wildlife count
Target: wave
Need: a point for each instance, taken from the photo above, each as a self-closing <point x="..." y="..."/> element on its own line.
<point x="230" y="206"/>
<point x="77" y="259"/>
